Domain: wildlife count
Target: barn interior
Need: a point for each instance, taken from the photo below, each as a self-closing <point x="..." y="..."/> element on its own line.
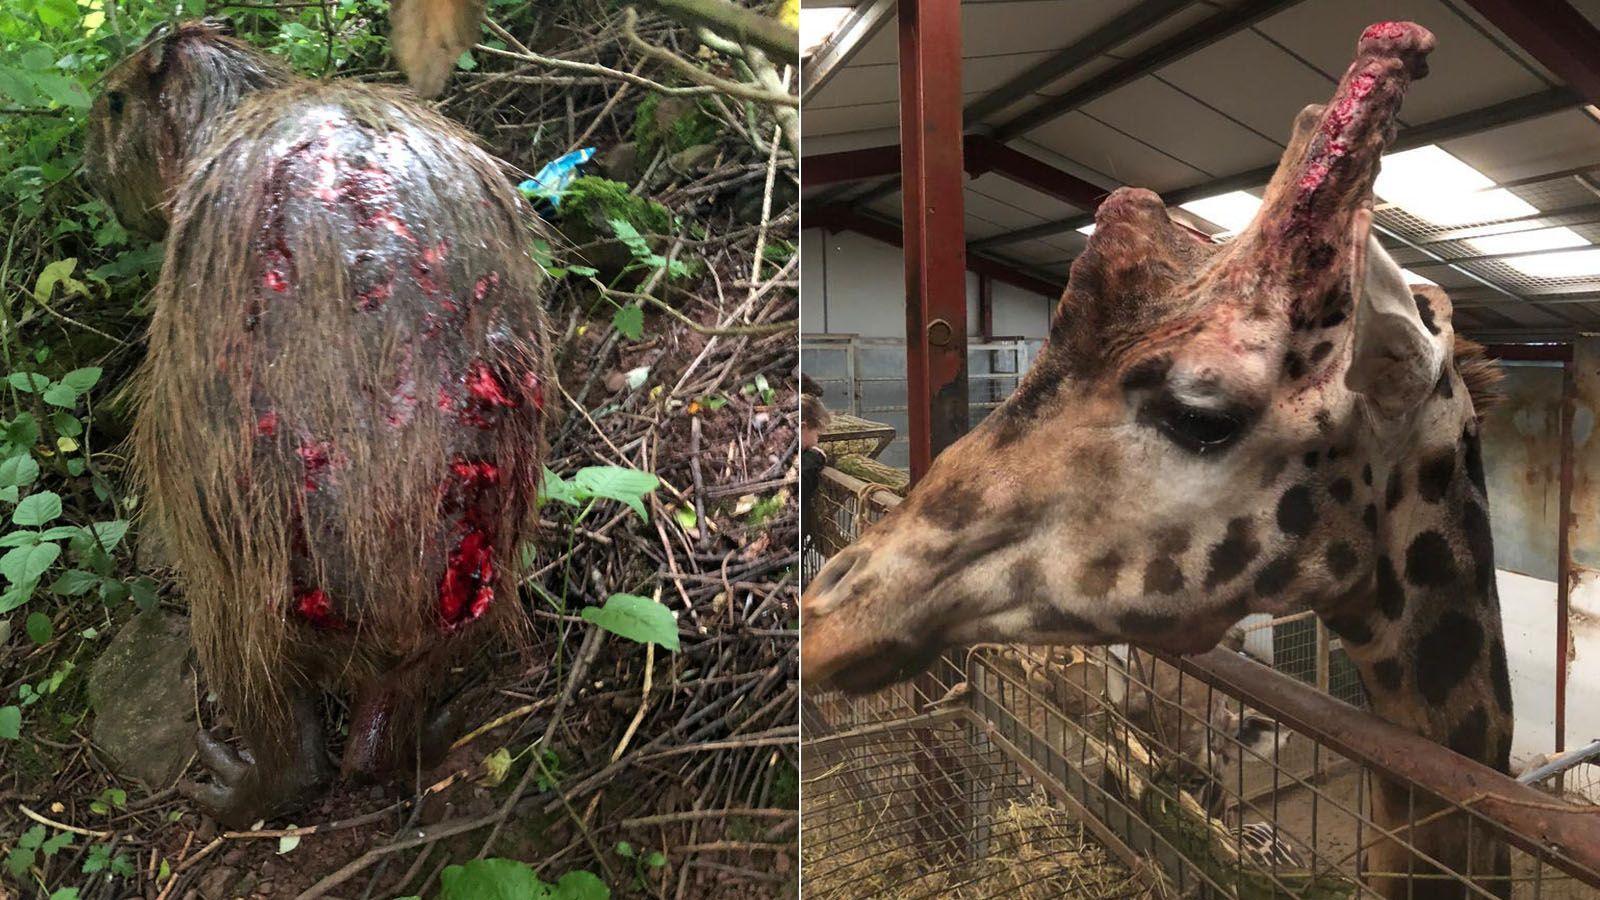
<point x="954" y="156"/>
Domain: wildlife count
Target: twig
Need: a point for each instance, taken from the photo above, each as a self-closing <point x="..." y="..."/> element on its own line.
<point x="630" y="18"/>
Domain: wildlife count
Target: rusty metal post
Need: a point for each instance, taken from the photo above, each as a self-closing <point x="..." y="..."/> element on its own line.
<point x="1564" y="551"/>
<point x="934" y="222"/>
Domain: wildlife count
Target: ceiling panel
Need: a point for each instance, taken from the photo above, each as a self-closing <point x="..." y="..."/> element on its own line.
<point x="1164" y="117"/>
<point x="1247" y="77"/>
<point x="1467" y="71"/>
<point x="1041" y="206"/>
<point x="1116" y="156"/>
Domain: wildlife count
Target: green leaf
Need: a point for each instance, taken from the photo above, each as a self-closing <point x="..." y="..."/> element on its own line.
<point x="491" y="879"/>
<point x="580" y="885"/>
<point x="61" y="395"/>
<point x="656" y="859"/>
<point x="144" y="593"/>
<point x="23" y="430"/>
<point x="59" y="532"/>
<point x="18" y="595"/>
<point x="636" y="618"/>
<point x="74" y="583"/>
<point x="38" y="509"/>
<point x="24" y="565"/>
<point x="19" y="539"/>
<point x="287" y="843"/>
<point x="624" y="849"/>
<point x="19" y="470"/>
<point x="10" y="494"/>
<point x="69" y="893"/>
<point x="685" y="516"/>
<point x="496" y="766"/>
<point x="66" y="424"/>
<point x="554" y="487"/>
<point x="20" y="860"/>
<point x="40" y="628"/>
<point x="54" y="845"/>
<point x="58" y="272"/>
<point x="28" y="382"/>
<point x="630" y="236"/>
<point x="110" y="534"/>
<point x="629" y="322"/>
<point x="81" y="380"/>
<point x="10" y="723"/>
<point x="615" y="483"/>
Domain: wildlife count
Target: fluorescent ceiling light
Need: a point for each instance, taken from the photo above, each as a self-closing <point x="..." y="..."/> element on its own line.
<point x="1413" y="278"/>
<point x="1433" y="185"/>
<point x="1528" y="241"/>
<point x="817" y="25"/>
<point x="1233" y="210"/>
<point x="1577" y="264"/>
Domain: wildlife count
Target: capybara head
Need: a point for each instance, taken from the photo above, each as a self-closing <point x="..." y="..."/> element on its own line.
<point x="159" y="106"/>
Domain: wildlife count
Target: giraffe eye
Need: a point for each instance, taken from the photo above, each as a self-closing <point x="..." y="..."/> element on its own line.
<point x="1198" y="430"/>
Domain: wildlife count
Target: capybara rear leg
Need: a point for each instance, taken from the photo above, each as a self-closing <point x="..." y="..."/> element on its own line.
<point x="440" y="731"/>
<point x="250" y="786"/>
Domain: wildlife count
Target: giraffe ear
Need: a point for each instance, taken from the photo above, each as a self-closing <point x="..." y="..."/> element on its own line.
<point x="1395" y="361"/>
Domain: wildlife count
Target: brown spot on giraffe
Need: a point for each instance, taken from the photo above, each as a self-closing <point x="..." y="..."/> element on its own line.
<point x="1177" y="374"/>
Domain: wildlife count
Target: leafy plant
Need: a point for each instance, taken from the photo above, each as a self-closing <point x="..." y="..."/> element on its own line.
<point x="636" y="618"/>
<point x="642" y="865"/>
<point x="32" y="845"/>
<point x="508" y="879"/>
<point x="593" y="483"/>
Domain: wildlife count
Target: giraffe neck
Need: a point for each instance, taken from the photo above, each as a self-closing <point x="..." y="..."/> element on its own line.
<point x="1436" y="661"/>
<point x="1424" y="632"/>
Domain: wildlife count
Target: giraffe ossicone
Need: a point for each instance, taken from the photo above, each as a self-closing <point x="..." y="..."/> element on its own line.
<point x="1274" y="424"/>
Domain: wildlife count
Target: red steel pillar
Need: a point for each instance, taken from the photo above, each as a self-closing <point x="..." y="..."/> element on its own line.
<point x="935" y="234"/>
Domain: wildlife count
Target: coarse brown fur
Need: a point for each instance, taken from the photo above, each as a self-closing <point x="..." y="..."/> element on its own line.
<point x="428" y="36"/>
<point x="343" y="387"/>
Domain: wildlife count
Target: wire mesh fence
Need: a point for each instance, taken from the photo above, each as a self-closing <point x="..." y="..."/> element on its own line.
<point x="1115" y="772"/>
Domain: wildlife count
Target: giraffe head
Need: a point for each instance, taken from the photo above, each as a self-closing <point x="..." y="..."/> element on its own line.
<point x="1192" y="445"/>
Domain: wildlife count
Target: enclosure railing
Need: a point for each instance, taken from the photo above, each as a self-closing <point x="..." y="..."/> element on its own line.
<point x="1213" y="775"/>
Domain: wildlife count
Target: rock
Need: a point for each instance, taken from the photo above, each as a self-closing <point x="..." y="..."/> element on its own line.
<point x="621" y="163"/>
<point x="150" y="550"/>
<point x="694" y="160"/>
<point x="214" y="884"/>
<point x="141" y="690"/>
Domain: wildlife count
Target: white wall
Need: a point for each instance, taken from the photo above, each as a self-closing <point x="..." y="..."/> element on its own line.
<point x="852" y="284"/>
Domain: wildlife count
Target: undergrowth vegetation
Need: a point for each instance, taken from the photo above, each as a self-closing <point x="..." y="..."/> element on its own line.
<point x="689" y="341"/>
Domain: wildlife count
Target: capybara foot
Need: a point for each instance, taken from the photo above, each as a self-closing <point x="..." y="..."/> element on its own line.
<point x="440" y="731"/>
<point x="242" y="792"/>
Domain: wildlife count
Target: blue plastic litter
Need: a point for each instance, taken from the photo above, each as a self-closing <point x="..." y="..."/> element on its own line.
<point x="552" y="180"/>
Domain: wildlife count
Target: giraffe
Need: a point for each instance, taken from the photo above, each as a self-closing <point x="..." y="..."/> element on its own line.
<point x="1274" y="424"/>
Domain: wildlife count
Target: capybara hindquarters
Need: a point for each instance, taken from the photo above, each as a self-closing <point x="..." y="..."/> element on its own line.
<point x="340" y="417"/>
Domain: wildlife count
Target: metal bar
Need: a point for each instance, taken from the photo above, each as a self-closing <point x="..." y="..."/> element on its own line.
<point x="1529" y="819"/>
<point x="980" y="155"/>
<point x="1039" y="75"/>
<point x="986" y="307"/>
<point x="1569" y="406"/>
<point x="1168" y="51"/>
<point x="836" y="52"/>
<point x="1498" y="115"/>
<point x="1561" y="764"/>
<point x="1562" y="39"/>
<point x="985" y="154"/>
<point x="1530" y="352"/>
<point x="821" y="169"/>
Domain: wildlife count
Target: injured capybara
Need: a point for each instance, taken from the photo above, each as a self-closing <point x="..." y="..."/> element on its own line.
<point x="339" y="416"/>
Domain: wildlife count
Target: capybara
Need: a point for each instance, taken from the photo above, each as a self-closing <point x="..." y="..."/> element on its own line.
<point x="338" y="431"/>
<point x="428" y="36"/>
